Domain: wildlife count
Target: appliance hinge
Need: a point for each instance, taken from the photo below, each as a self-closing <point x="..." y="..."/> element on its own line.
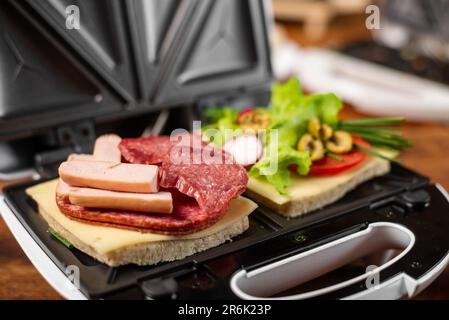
<point x="77" y="137"/>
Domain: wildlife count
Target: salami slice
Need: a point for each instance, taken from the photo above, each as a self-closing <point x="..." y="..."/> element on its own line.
<point x="206" y="173"/>
<point x="213" y="183"/>
<point x="147" y="150"/>
<point x="187" y="217"/>
<point x="154" y="149"/>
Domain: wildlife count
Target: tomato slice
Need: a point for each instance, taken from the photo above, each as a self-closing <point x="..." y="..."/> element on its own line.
<point x="330" y="167"/>
<point x="245" y="111"/>
<point x="242" y="118"/>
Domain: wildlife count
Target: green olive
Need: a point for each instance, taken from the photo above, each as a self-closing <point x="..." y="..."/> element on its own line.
<point x="313" y="146"/>
<point x="319" y="131"/>
<point x="314" y="127"/>
<point x="253" y="121"/>
<point x="326" y="132"/>
<point x="341" y="142"/>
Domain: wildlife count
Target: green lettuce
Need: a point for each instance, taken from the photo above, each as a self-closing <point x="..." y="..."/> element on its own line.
<point x="279" y="177"/>
<point x="290" y="112"/>
<point x="285" y="96"/>
<point x="220" y="121"/>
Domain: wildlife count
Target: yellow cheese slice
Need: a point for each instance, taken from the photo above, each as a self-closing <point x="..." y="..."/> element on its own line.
<point x="106" y="239"/>
<point x="306" y="187"/>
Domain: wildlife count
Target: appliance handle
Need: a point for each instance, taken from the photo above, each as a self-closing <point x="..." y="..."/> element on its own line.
<point x="271" y="279"/>
<point x="401" y="285"/>
<point x="398" y="276"/>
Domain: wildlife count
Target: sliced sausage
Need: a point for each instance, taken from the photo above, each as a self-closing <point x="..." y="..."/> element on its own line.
<point x="160" y="202"/>
<point x="107" y="148"/>
<point x="110" y="176"/>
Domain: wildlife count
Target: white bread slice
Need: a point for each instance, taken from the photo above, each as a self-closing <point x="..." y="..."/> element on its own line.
<point x="150" y="253"/>
<point x="116" y="247"/>
<point x="311" y="193"/>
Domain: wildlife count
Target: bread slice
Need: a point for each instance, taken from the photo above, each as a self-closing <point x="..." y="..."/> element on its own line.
<point x="311" y="193"/>
<point x="151" y="252"/>
<point x="116" y="247"/>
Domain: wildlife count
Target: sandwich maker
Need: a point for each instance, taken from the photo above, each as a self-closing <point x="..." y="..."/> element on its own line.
<point x="147" y="67"/>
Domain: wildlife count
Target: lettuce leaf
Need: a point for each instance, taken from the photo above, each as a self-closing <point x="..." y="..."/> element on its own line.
<point x="286" y="95"/>
<point x="221" y="120"/>
<point x="274" y="167"/>
<point x="290" y="112"/>
<point x="324" y="106"/>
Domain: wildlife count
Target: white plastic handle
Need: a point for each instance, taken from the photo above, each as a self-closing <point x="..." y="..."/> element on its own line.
<point x="279" y="276"/>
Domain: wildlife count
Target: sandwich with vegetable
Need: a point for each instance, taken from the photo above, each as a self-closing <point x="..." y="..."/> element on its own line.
<point x="318" y="157"/>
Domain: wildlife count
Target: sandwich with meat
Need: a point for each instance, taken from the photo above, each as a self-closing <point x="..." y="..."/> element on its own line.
<point x="129" y="202"/>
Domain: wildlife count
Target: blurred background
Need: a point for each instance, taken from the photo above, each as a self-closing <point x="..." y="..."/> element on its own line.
<point x="384" y="58"/>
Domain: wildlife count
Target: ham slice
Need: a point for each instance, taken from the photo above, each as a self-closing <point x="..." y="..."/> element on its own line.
<point x="111" y="176"/>
<point x="63" y="189"/>
<point x="80" y="157"/>
<point x="187" y="217"/>
<point x="107" y="148"/>
<point x="160" y="202"/>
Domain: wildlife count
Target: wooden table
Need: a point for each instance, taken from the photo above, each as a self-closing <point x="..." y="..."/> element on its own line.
<point x="18" y="277"/>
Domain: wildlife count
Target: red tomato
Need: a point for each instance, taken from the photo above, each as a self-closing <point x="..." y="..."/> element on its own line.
<point x="243" y="116"/>
<point x="245" y="111"/>
<point x="329" y="166"/>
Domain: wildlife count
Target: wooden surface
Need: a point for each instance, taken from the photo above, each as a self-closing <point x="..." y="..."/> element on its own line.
<point x="18" y="277"/>
<point x="20" y="280"/>
<point x="338" y="34"/>
<point x="316" y="15"/>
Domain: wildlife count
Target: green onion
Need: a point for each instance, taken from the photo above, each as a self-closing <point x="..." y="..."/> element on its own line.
<point x="376" y="154"/>
<point x="334" y="156"/>
<point x="58" y="237"/>
<point x="371" y="130"/>
<point x="373" y="122"/>
<point x="397" y="143"/>
<point x="383" y="132"/>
